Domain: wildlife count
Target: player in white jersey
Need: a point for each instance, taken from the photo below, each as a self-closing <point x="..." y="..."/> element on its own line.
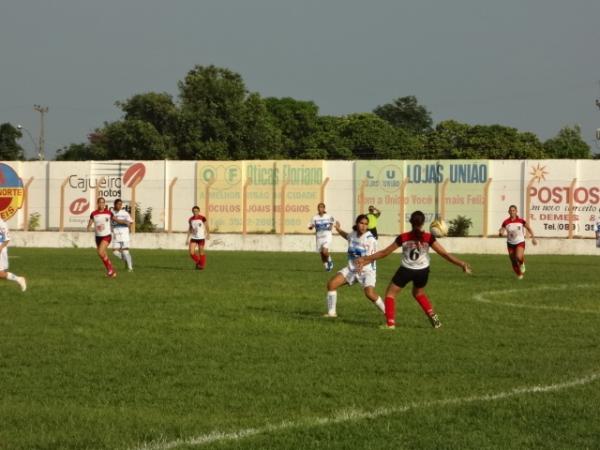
<point x="514" y="228"/>
<point x="322" y="223"/>
<point x="4" y="273"/>
<point x="414" y="267"/>
<point x="361" y="242"/>
<point x="101" y="219"/>
<point x="598" y="233"/>
<point x="121" y="226"/>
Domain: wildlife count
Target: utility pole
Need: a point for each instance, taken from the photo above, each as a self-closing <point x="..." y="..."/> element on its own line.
<point x="42" y="110"/>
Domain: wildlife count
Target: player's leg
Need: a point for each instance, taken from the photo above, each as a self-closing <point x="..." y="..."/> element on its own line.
<point x="326" y="257"/>
<point x="192" y="246"/>
<point x="333" y="284"/>
<point x="101" y="249"/>
<point x="513" y="261"/>
<point x="418" y="293"/>
<point x="520" y="257"/>
<point x="370" y="293"/>
<point x="6" y="275"/>
<point x="202" y="255"/>
<point x="127" y="258"/>
<point x="391" y="292"/>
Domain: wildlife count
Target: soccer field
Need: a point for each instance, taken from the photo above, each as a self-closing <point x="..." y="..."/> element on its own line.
<point x="238" y="356"/>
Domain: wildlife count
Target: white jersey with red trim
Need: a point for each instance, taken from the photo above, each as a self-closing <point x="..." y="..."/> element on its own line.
<point x="197" y="227"/>
<point x="102" y="219"/>
<point x="515" y="230"/>
<point x="363" y="245"/>
<point x="415" y="253"/>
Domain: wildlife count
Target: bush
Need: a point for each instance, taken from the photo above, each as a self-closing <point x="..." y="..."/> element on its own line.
<point x="143" y="222"/>
<point x="459" y="227"/>
<point x="34" y="221"/>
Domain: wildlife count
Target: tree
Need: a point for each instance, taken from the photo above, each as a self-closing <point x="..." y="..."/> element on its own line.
<point x="455" y="140"/>
<point x="134" y="139"/>
<point x="298" y="121"/>
<point x="370" y="137"/>
<point x="405" y="112"/>
<point x="9" y="149"/>
<point x="568" y="144"/>
<point x="81" y="152"/>
<point x="156" y="109"/>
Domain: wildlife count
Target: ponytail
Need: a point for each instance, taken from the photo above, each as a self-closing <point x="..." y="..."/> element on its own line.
<point x="417" y="219"/>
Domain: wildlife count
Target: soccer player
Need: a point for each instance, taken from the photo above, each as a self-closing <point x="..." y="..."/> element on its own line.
<point x="360" y="243"/>
<point x="121" y="226"/>
<point x="198" y="233"/>
<point x="373" y="216"/>
<point x="4" y="273"/>
<point x="598" y="233"/>
<point x="101" y="219"/>
<point x="322" y="223"/>
<point x="514" y="229"/>
<point x="414" y="267"/>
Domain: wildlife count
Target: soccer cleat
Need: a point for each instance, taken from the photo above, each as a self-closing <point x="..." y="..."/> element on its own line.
<point x="130" y="270"/>
<point x="435" y="321"/>
<point x="23" y="283"/>
<point x="199" y="267"/>
<point x="330" y="315"/>
<point x="329" y="266"/>
<point x="520" y="277"/>
<point x="112" y="274"/>
<point x="523" y="268"/>
<point x="387" y="327"/>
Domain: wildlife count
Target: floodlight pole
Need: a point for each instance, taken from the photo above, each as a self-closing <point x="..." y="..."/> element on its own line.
<point x="42" y="110"/>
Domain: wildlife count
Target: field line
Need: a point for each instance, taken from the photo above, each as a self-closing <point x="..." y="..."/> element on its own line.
<point x="353" y="415"/>
<point x="483" y="297"/>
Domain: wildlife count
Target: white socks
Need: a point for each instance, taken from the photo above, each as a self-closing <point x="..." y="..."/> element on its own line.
<point x="331" y="303"/>
<point x="127" y="258"/>
<point x="11" y="276"/>
<point x="379" y="303"/>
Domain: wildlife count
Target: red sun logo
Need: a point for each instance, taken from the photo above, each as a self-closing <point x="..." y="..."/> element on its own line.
<point x="79" y="206"/>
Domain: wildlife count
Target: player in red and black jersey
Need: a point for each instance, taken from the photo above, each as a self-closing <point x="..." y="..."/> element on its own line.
<point x="514" y="228"/>
<point x="101" y="219"/>
<point x="197" y="235"/>
<point x="414" y="267"/>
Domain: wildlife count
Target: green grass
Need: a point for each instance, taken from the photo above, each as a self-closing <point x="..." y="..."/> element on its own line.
<point x="167" y="353"/>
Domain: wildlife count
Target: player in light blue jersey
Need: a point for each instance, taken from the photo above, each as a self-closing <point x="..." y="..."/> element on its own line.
<point x="361" y="242"/>
<point x="121" y="224"/>
<point x="322" y="223"/>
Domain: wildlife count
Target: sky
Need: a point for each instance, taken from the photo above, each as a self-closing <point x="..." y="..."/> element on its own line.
<point x="529" y="64"/>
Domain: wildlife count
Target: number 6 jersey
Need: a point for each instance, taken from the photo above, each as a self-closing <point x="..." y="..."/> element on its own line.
<point x="415" y="254"/>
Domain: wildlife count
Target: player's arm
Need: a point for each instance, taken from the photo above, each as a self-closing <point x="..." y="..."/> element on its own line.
<point x="377" y="213"/>
<point x="528" y="228"/>
<point x="364" y="260"/>
<point x="90" y="223"/>
<point x="207" y="234"/>
<point x="502" y="231"/>
<point x="189" y="234"/>
<point x="341" y="232"/>
<point x="440" y="250"/>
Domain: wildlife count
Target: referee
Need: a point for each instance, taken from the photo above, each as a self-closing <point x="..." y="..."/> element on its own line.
<point x="373" y="215"/>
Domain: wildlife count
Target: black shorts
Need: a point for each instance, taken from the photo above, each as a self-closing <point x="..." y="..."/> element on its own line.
<point x="418" y="277"/>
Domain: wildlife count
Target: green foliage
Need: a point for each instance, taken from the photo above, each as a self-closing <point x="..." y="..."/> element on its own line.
<point x="568" y="144"/>
<point x="459" y="227"/>
<point x="143" y="221"/>
<point x="34" y="221"/>
<point x="168" y="353"/>
<point x="406" y="113"/>
<point x="9" y="149"/>
<point x="81" y="152"/>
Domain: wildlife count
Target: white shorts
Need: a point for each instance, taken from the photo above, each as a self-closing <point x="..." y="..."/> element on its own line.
<point x="120" y="242"/>
<point x="598" y="242"/>
<point x="4" y="259"/>
<point x="365" y="278"/>
<point x="323" y="242"/>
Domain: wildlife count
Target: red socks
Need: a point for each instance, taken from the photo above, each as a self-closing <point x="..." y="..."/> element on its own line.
<point x="107" y="264"/>
<point x="517" y="269"/>
<point x="390" y="311"/>
<point x="202" y="260"/>
<point x="425" y="305"/>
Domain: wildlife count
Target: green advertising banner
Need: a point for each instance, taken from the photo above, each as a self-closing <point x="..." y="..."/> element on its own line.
<point x="441" y="189"/>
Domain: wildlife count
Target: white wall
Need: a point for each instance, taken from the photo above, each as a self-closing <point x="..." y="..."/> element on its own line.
<point x="294" y="243"/>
